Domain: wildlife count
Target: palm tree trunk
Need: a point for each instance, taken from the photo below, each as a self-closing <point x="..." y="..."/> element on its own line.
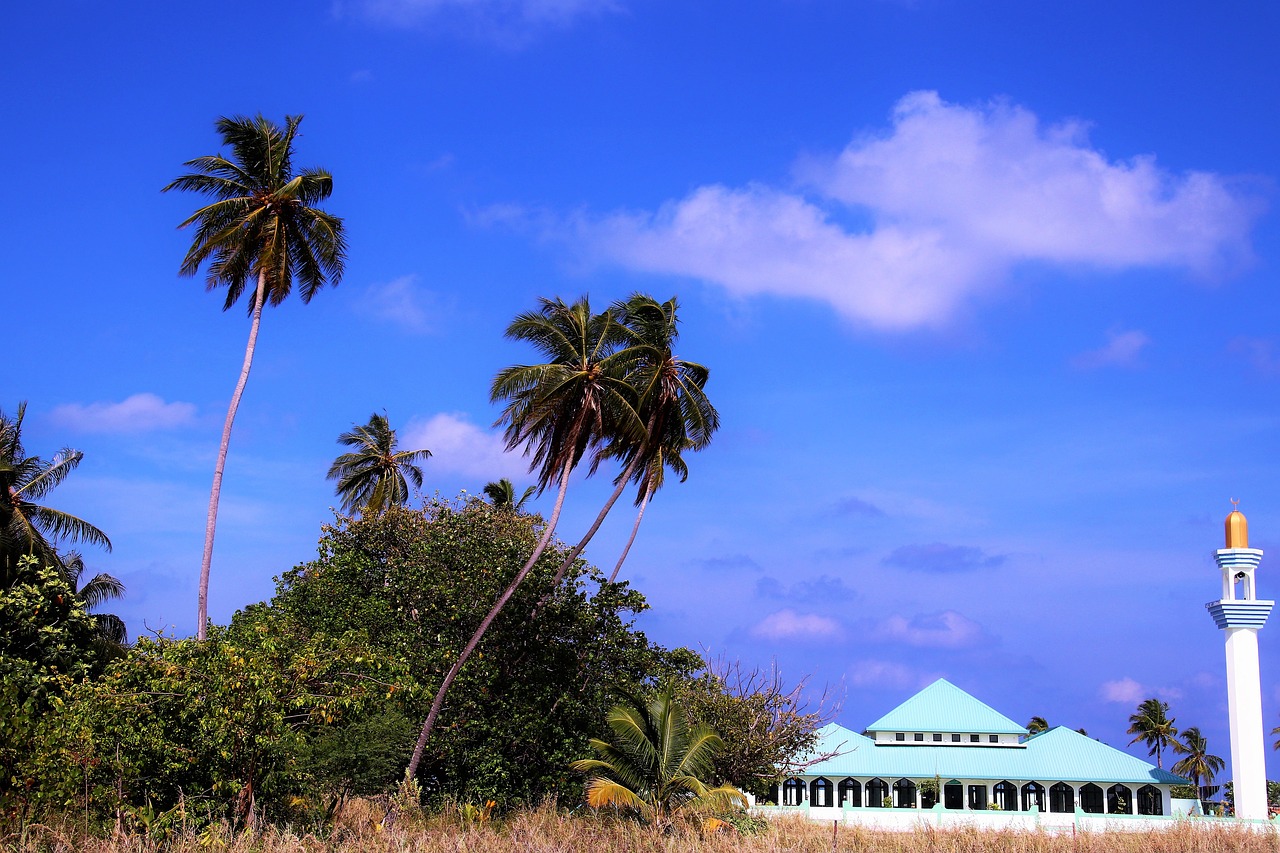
<point x="608" y="505"/>
<point x="635" y="528"/>
<point x="438" y="702"/>
<point x="202" y="608"/>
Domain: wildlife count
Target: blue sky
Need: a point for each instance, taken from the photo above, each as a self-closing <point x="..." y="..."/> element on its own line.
<point x="986" y="289"/>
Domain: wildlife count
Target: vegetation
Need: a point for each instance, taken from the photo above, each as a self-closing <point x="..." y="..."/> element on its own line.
<point x="1152" y="725"/>
<point x="655" y="764"/>
<point x="1198" y="765"/>
<point x="375" y="475"/>
<point x="262" y="225"/>
<point x="502" y="494"/>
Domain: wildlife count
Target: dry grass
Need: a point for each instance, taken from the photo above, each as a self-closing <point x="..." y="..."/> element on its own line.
<point x="548" y="830"/>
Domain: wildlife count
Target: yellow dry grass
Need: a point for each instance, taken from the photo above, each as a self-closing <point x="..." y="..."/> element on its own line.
<point x="550" y="830"/>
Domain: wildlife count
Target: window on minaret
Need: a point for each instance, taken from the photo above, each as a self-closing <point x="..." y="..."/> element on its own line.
<point x="993" y="738"/>
<point x="919" y="736"/>
<point x="955" y="738"/>
<point x="975" y="738"/>
<point x="937" y="737"/>
<point x="900" y="736"/>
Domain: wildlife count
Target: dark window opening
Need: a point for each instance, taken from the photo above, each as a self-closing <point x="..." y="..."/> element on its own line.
<point x="953" y="795"/>
<point x="978" y="797"/>
<point x="820" y="793"/>
<point x="1091" y="798"/>
<point x="1062" y="798"/>
<point x="850" y="793"/>
<point x="1006" y="796"/>
<point x="1119" y="800"/>
<point x="1150" y="800"/>
<point x="905" y="793"/>
<point x="1032" y="796"/>
<point x="877" y="793"/>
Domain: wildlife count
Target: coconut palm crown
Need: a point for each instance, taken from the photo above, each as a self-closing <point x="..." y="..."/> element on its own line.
<point x="375" y="475"/>
<point x="260" y="225"/>
<point x="1152" y="725"/>
<point x="656" y="763"/>
<point x="1199" y="765"/>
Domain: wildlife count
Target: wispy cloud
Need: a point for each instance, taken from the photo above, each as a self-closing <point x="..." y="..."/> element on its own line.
<point x="138" y="413"/>
<point x="504" y="18"/>
<point x="1121" y="350"/>
<point x="882" y="673"/>
<point x="458" y="446"/>
<point x="857" y="506"/>
<point x="953" y="198"/>
<point x="817" y="590"/>
<point x="730" y="563"/>
<point x="946" y="629"/>
<point x="1124" y="691"/>
<point x="940" y="558"/>
<point x="1260" y="352"/>
<point x="402" y="302"/>
<point x="789" y="624"/>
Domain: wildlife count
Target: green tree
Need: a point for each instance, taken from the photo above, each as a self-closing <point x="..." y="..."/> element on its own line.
<point x="1037" y="725"/>
<point x="655" y="763"/>
<point x="1152" y="725"/>
<point x="502" y="494"/>
<point x="1198" y="765"/>
<point x="672" y="403"/>
<point x="375" y="475"/>
<point x="558" y="410"/>
<point x="27" y="526"/>
<point x="94" y="592"/>
<point x="261" y="226"/>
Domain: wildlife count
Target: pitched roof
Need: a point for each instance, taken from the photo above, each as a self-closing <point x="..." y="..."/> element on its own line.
<point x="943" y="707"/>
<point x="1058" y="755"/>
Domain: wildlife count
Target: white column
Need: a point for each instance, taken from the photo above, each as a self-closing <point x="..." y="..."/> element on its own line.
<point x="1244" y="702"/>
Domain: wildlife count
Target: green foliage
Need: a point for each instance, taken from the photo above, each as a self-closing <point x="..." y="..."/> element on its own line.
<point x="1197" y="764"/>
<point x="655" y="763"/>
<point x="223" y="723"/>
<point x="418" y="582"/>
<point x="374" y="475"/>
<point x="1152" y="725"/>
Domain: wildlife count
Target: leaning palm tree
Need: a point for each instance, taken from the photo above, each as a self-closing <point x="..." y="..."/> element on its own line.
<point x="502" y="494"/>
<point x="375" y="475"/>
<point x="560" y="411"/>
<point x="260" y="227"/>
<point x="27" y="525"/>
<point x="1152" y="725"/>
<point x="1199" y="765"/>
<point x="656" y="763"/>
<point x="671" y="403"/>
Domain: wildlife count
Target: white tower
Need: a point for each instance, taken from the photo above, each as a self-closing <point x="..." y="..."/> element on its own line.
<point x="1241" y="615"/>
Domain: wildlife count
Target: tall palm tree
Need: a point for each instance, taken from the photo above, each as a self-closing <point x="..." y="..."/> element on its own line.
<point x="27" y="525"/>
<point x="559" y="411"/>
<point x="261" y="226"/>
<point x="1199" y="765"/>
<point x="375" y="475"/>
<point x="656" y="763"/>
<point x="502" y="494"/>
<point x="671" y="403"/>
<point x="1152" y="725"/>
<point x="94" y="592"/>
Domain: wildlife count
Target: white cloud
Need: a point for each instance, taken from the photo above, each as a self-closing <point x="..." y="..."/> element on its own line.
<point x="402" y="302"/>
<point x="1125" y="691"/>
<point x="409" y="13"/>
<point x="787" y="623"/>
<point x="460" y="447"/>
<point x="945" y="630"/>
<point x="952" y="199"/>
<point x="139" y="413"/>
<point x="1121" y="350"/>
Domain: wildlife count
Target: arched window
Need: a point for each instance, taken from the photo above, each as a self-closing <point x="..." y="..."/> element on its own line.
<point x="1091" y="798"/>
<point x="953" y="795"/>
<point x="1032" y="796"/>
<point x="877" y="791"/>
<point x="978" y="797"/>
<point x="1150" y="800"/>
<point x="904" y="791"/>
<point x="1119" y="800"/>
<point x="1062" y="798"/>
<point x="793" y="792"/>
<point x="850" y="793"/>
<point x="820" y="791"/>
<point x="1006" y="796"/>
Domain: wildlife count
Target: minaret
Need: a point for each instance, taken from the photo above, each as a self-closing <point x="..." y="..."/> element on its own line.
<point x="1241" y="616"/>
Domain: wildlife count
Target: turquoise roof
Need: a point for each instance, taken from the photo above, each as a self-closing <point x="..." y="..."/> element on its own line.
<point x="943" y="707"/>
<point x="1059" y="755"/>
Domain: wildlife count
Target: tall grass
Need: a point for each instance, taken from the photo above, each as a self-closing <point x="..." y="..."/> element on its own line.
<point x="550" y="830"/>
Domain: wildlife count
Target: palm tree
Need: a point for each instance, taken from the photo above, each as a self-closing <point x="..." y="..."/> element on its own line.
<point x="28" y="527"/>
<point x="502" y="494"/>
<point x="1152" y="725"/>
<point x="1037" y="725"/>
<point x="656" y="763"/>
<point x="558" y="411"/>
<point x="262" y="226"/>
<point x="677" y="414"/>
<point x="1198" y="766"/>
<point x="375" y="475"/>
<point x="98" y="589"/>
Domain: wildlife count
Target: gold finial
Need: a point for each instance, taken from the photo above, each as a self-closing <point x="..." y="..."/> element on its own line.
<point x="1237" y="527"/>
